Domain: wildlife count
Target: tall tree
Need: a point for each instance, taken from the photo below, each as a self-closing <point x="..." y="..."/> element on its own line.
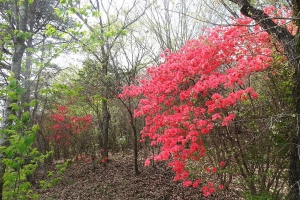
<point x="40" y="47"/>
<point x="131" y="61"/>
<point x="17" y="20"/>
<point x="108" y="22"/>
<point x="25" y="27"/>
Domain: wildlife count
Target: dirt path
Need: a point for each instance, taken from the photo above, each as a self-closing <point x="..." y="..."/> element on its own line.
<point x="117" y="181"/>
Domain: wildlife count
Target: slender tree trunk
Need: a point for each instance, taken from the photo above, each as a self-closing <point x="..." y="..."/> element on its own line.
<point x="135" y="135"/>
<point x="26" y="96"/>
<point x="105" y="64"/>
<point x="135" y="139"/>
<point x="135" y="148"/>
<point x="105" y="111"/>
<point x="105" y="125"/>
<point x="27" y="73"/>
<point x="99" y="133"/>
<point x="294" y="174"/>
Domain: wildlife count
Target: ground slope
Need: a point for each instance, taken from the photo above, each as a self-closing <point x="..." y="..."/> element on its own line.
<point x="117" y="181"/>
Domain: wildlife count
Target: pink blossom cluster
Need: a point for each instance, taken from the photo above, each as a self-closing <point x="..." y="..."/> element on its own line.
<point x="184" y="97"/>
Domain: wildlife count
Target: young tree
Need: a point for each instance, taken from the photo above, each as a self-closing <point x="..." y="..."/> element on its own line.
<point x="136" y="54"/>
<point x="108" y="22"/>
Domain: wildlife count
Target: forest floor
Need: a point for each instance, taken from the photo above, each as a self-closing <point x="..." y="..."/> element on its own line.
<point x="116" y="181"/>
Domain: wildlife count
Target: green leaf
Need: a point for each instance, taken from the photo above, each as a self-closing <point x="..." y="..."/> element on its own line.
<point x="35" y="128"/>
<point x="25" y="117"/>
<point x="72" y="10"/>
<point x="11" y="74"/>
<point x="20" y="90"/>
<point x="10" y="154"/>
<point x="12" y="95"/>
<point x="45" y="91"/>
<point x="110" y="33"/>
<point x="12" y="117"/>
<point x="29" y="140"/>
<point x="22" y="146"/>
<point x="14" y="107"/>
<point x="12" y="83"/>
<point x="19" y="33"/>
<point x="96" y="14"/>
<point x="122" y="32"/>
<point x="50" y="173"/>
<point x="32" y="103"/>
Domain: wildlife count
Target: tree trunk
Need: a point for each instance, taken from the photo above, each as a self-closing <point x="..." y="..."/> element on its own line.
<point x="27" y="73"/>
<point x="294" y="175"/>
<point x="135" y="141"/>
<point x="105" y="111"/>
<point x="19" y="49"/>
<point x="6" y="122"/>
<point x="105" y="125"/>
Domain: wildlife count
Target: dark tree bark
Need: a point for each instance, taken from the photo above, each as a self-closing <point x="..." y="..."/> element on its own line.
<point x="135" y="138"/>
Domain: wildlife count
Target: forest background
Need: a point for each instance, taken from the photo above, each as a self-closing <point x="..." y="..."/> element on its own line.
<point x="210" y="87"/>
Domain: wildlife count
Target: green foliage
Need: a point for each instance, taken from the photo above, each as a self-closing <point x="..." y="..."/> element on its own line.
<point x="54" y="177"/>
<point x="263" y="196"/>
<point x="20" y="158"/>
<point x="21" y="34"/>
<point x="50" y="30"/>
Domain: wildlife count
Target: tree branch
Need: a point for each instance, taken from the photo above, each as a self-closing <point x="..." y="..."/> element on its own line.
<point x="5" y="66"/>
<point x="281" y="34"/>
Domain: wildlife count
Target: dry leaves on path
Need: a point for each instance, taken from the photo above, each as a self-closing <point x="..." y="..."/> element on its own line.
<point x="117" y="181"/>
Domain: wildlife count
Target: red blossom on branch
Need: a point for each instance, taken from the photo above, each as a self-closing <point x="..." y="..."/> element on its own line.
<point x="66" y="126"/>
<point x="179" y="99"/>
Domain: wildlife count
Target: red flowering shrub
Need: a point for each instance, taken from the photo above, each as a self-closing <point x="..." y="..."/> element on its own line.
<point x="66" y="127"/>
<point x="193" y="89"/>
